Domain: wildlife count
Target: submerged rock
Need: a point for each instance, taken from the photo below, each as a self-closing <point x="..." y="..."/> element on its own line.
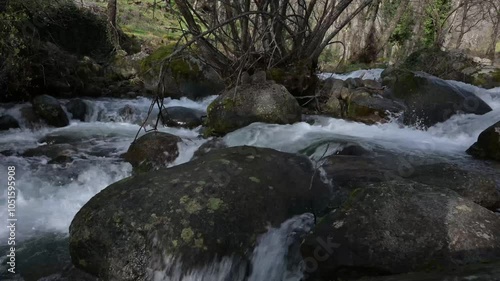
<point x="51" y="151"/>
<point x="49" y="109"/>
<point x="487" y="145"/>
<point x="152" y="151"/>
<point x="179" y="116"/>
<point x="429" y="100"/>
<point x="8" y="122"/>
<point x="396" y="227"/>
<point x="258" y="102"/>
<point x="212" y="207"/>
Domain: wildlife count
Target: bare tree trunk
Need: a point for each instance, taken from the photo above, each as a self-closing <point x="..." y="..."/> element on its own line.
<point x="494" y="39"/>
<point x="112" y="13"/>
<point x="386" y="35"/>
<point x="461" y="31"/>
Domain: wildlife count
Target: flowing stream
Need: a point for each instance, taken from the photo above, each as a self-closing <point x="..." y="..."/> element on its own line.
<point x="49" y="195"/>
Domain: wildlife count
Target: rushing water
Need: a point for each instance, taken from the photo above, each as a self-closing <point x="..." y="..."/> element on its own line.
<point x="50" y="195"/>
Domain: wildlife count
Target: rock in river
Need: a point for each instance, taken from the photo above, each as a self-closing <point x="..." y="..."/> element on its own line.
<point x="152" y="151"/>
<point x="397" y="227"/>
<point x="429" y="100"/>
<point x="258" y="102"/>
<point x="488" y="144"/>
<point x="49" y="109"/>
<point x="212" y="207"/>
<point x="179" y="116"/>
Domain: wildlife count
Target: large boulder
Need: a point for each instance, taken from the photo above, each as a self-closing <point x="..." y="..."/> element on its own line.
<point x="396" y="227"/>
<point x="49" y="109"/>
<point x="179" y="116"/>
<point x="153" y="151"/>
<point x="185" y="75"/>
<point x="429" y="100"/>
<point x="262" y="101"/>
<point x="8" y="122"/>
<point x="350" y="172"/>
<point x="206" y="209"/>
<point x="487" y="145"/>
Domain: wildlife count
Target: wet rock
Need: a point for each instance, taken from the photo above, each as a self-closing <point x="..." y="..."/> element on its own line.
<point x="8" y="152"/>
<point x="264" y="102"/>
<point x="354" y="83"/>
<point x="487" y="145"/>
<point x="429" y="100"/>
<point x="127" y="113"/>
<point x="51" y="151"/>
<point x="363" y="107"/>
<point x="8" y="122"/>
<point x="216" y="205"/>
<point x="49" y="109"/>
<point x="31" y="119"/>
<point x="478" y="272"/>
<point x="397" y="227"/>
<point x="477" y="187"/>
<point x="359" y="105"/>
<point x="179" y="116"/>
<point x="152" y="151"/>
<point x="61" y="159"/>
<point x="78" y="108"/>
<point x="211" y="145"/>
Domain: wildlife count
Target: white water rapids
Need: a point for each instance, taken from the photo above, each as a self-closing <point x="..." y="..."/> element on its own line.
<point x="50" y="195"/>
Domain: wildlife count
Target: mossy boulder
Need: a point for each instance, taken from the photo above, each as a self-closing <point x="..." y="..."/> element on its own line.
<point x="265" y="102"/>
<point x="396" y="227"/>
<point x="213" y="207"/>
<point x="49" y="109"/>
<point x="184" y="76"/>
<point x="447" y="65"/>
<point x="152" y="151"/>
<point x="429" y="100"/>
<point x="487" y="145"/>
<point x="487" y="78"/>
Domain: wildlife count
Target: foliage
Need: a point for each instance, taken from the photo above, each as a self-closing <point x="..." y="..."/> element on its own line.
<point x="15" y="50"/>
<point x="403" y="31"/>
<point x="436" y="14"/>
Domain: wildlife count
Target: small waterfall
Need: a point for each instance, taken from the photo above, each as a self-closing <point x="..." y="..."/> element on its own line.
<point x="275" y="258"/>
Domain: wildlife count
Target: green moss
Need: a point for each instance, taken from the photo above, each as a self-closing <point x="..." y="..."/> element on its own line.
<point x="187" y="235"/>
<point x="254" y="179"/>
<point x="214" y="204"/>
<point x="276" y="74"/>
<point x="353" y="196"/>
<point x="179" y="66"/>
